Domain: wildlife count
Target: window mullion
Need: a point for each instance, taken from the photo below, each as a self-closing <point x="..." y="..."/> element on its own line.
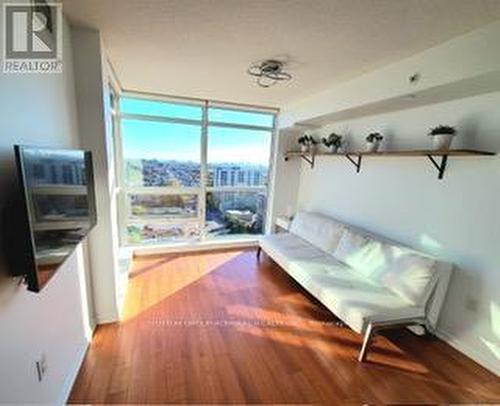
<point x="203" y="168"/>
<point x="122" y="208"/>
<point x="240" y="126"/>
<point x="271" y="177"/>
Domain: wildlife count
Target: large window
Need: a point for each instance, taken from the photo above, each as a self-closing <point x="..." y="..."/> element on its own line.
<point x="192" y="170"/>
<point x="159" y="154"/>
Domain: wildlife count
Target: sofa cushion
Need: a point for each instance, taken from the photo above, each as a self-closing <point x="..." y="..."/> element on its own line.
<point x="349" y="295"/>
<point x="321" y="231"/>
<point x="407" y="273"/>
<point x="287" y="248"/>
<point x="361" y="252"/>
<point x="318" y="268"/>
<point x="358" y="303"/>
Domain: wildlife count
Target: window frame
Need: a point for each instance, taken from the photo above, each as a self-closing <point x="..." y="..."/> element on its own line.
<point x="125" y="191"/>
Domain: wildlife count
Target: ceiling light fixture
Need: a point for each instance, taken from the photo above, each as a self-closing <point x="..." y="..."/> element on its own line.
<point x="269" y="72"/>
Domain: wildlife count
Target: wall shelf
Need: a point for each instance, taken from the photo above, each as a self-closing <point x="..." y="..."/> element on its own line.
<point x="439" y="159"/>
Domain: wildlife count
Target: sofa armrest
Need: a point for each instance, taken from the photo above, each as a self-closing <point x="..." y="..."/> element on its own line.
<point x="437" y="296"/>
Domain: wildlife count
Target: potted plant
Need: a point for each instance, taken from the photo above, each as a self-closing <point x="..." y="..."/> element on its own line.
<point x="307" y="143"/>
<point x="442" y="136"/>
<point x="333" y="142"/>
<point x="373" y="142"/>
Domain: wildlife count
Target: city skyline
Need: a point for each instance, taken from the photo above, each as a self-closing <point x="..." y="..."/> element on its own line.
<point x="161" y="173"/>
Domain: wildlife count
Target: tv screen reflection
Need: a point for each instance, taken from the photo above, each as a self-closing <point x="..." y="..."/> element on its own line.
<point x="59" y="198"/>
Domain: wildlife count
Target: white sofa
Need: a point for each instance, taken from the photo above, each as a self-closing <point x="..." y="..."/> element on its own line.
<point x="367" y="281"/>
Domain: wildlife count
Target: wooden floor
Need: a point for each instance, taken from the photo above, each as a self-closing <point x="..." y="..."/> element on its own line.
<point x="220" y="328"/>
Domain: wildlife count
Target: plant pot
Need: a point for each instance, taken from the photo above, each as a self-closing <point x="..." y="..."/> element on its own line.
<point x="372" y="146"/>
<point x="334" y="149"/>
<point x="304" y="148"/>
<point x="442" y="142"/>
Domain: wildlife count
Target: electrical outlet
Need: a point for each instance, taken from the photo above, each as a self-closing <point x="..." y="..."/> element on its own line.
<point x="41" y="367"/>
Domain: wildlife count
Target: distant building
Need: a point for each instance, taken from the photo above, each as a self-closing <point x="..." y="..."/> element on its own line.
<point x="227" y="175"/>
<point x="248" y="207"/>
<point x="187" y="174"/>
<point x="170" y="173"/>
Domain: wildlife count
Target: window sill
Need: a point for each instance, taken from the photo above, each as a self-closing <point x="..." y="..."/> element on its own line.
<point x="207" y="245"/>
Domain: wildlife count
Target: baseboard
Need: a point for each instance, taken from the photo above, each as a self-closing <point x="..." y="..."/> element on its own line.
<point x="71" y="376"/>
<point x="490" y="363"/>
<point x="108" y="316"/>
<point x="107" y="319"/>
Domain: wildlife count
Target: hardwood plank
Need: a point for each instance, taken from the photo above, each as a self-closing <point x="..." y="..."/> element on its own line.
<point x="221" y="327"/>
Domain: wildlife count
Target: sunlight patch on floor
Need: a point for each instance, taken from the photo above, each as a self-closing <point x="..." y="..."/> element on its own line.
<point x="317" y="334"/>
<point x="155" y="279"/>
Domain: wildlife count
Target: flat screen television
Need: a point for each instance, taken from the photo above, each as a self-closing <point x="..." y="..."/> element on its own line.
<point x="56" y="210"/>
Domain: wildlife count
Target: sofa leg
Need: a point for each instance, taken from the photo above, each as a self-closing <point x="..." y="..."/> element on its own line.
<point x="429" y="329"/>
<point x="366" y="343"/>
<point x="259" y="250"/>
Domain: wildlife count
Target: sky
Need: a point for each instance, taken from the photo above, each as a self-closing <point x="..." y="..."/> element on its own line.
<point x="164" y="141"/>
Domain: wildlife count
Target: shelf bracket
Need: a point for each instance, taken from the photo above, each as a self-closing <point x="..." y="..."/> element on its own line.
<point x="355" y="162"/>
<point x="440" y="166"/>
<point x="309" y="160"/>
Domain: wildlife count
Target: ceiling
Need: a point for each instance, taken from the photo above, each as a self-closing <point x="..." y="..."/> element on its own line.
<point x="202" y="48"/>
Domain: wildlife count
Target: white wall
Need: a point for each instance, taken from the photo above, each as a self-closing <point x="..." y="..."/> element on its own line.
<point x="40" y="110"/>
<point x="455" y="218"/>
<point x="286" y="177"/>
<point x="96" y="135"/>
